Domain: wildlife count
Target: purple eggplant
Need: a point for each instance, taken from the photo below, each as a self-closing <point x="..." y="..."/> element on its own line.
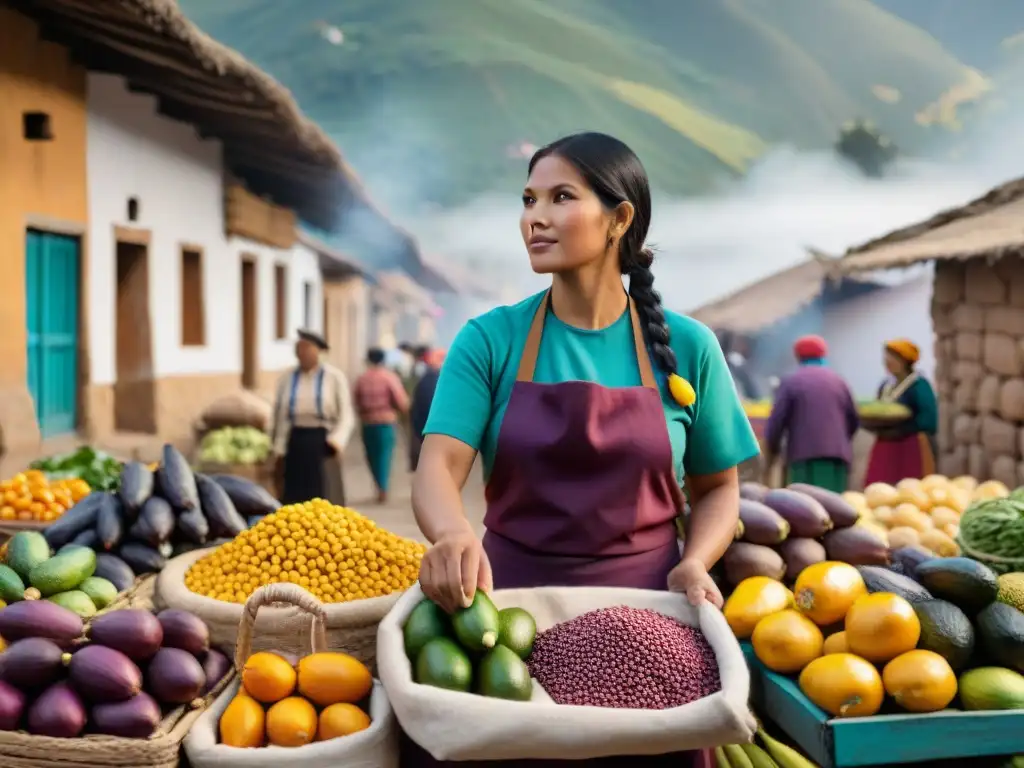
<point x="806" y="517"/>
<point x="175" y="677"/>
<point x="33" y="663"/>
<point x="753" y="491"/>
<point x="136" y="718"/>
<point x="103" y="675"/>
<point x="12" y="707"/>
<point x="184" y="630"/>
<point x="40" y="618"/>
<point x="135" y="632"/>
<point x="762" y="524"/>
<point x="215" y="666"/>
<point x="58" y="712"/>
<point x="841" y="512"/>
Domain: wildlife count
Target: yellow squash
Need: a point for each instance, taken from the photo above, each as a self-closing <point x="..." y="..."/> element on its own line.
<point x="752" y="600"/>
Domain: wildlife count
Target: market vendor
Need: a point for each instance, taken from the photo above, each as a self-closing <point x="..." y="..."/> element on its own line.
<point x="907" y="449"/>
<point x="313" y="421"/>
<point x="588" y="405"/>
<point x="815" y="415"/>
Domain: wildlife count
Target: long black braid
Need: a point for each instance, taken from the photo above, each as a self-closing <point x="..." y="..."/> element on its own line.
<point x="616" y="175"/>
<point x="649" y="308"/>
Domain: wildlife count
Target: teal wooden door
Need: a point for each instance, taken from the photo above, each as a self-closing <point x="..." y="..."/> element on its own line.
<point x="51" y="297"/>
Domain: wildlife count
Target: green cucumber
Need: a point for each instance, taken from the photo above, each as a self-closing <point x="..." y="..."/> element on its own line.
<point x="75" y="601"/>
<point x="99" y="590"/>
<point x="25" y="551"/>
<point x="63" y="572"/>
<point x="12" y="588"/>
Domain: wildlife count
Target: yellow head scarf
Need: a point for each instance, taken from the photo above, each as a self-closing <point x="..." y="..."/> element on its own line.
<point x="905" y="348"/>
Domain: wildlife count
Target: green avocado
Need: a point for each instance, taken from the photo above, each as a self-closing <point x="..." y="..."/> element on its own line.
<point x="426" y="622"/>
<point x="1001" y="632"/>
<point x="968" y="584"/>
<point x="946" y="630"/>
<point x="516" y="631"/>
<point x="26" y="550"/>
<point x="442" y="664"/>
<point x="503" y="675"/>
<point x="12" y="588"/>
<point x="476" y="627"/>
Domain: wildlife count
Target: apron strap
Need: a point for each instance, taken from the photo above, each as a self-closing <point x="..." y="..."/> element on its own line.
<point x="318" y="390"/>
<point x="528" y="361"/>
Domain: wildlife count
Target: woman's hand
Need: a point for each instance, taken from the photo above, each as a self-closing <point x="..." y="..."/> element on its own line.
<point x="691" y="578"/>
<point x="454" y="569"/>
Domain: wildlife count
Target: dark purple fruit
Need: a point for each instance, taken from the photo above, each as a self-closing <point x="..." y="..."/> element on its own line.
<point x="32" y="663"/>
<point x="40" y="618"/>
<point x="186" y="631"/>
<point x="135" y="632"/>
<point x="136" y="718"/>
<point x="215" y="666"/>
<point x="58" y="712"/>
<point x="103" y="675"/>
<point x="12" y="706"/>
<point x="175" y="677"/>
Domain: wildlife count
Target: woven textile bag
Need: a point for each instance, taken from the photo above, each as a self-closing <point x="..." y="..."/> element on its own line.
<point x="376" y="747"/>
<point x="462" y="726"/>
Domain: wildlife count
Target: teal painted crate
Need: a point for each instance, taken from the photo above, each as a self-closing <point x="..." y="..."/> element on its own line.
<point x="883" y="739"/>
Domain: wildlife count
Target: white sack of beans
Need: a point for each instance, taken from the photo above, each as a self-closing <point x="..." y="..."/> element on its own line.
<point x="463" y="726"/>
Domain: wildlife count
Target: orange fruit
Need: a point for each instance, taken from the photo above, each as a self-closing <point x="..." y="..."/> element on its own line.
<point x="341" y="720"/>
<point x="243" y="723"/>
<point x="825" y="591"/>
<point x="920" y="681"/>
<point x="881" y="626"/>
<point x="835" y="643"/>
<point x="292" y="722"/>
<point x="268" y="677"/>
<point x="786" y="641"/>
<point x="843" y="685"/>
<point x="330" y="678"/>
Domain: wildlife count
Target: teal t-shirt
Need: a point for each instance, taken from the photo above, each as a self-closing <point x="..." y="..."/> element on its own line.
<point x="480" y="369"/>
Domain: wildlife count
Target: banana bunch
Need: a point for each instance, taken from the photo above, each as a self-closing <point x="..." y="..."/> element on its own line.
<point x="774" y="754"/>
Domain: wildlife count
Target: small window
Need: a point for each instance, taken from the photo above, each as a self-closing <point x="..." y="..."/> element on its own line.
<point x="280" y="302"/>
<point x="193" y="311"/>
<point x="133" y="209"/>
<point x="307" y="305"/>
<point x="35" y="126"/>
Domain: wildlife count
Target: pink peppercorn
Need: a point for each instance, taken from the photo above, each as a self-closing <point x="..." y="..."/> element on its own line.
<point x="624" y="658"/>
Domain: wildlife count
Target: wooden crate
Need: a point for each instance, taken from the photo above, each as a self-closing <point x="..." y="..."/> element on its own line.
<point x="882" y="739"/>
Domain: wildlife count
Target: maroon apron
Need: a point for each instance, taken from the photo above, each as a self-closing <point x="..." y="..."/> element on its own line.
<point x="582" y="493"/>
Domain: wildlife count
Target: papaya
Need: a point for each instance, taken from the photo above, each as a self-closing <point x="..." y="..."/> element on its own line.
<point x="268" y="677"/>
<point x="920" y="681"/>
<point x="825" y="591"/>
<point x="291" y="722"/>
<point x="786" y="641"/>
<point x="835" y="643"/>
<point x="341" y="720"/>
<point x="331" y="678"/>
<point x="752" y="600"/>
<point x="843" y="685"/>
<point x="881" y="626"/>
<point x="243" y="723"/>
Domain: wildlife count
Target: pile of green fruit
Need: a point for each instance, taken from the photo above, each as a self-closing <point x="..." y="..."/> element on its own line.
<point x="235" y="445"/>
<point x="478" y="649"/>
<point x="69" y="578"/>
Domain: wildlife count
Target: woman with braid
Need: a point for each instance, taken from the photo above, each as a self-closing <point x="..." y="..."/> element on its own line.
<point x="589" y="405"/>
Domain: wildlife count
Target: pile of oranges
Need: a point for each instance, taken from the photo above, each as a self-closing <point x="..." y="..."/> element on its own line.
<point x="30" y="497"/>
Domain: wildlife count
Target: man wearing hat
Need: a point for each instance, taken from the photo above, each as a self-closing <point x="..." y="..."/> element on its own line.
<point x="313" y="421"/>
<point x="815" y="415"/>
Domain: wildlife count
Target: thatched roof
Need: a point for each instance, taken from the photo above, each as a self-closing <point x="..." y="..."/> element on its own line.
<point x="333" y="263"/>
<point x="765" y="302"/>
<point x="988" y="226"/>
<point x="267" y="140"/>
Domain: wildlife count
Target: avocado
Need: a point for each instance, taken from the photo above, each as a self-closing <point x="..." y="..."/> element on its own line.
<point x="426" y="621"/>
<point x="966" y="583"/>
<point x="946" y="630"/>
<point x="442" y="664"/>
<point x="1011" y="590"/>
<point x="516" y="631"/>
<point x="75" y="601"/>
<point x="25" y="551"/>
<point x="503" y="675"/>
<point x="878" y="579"/>
<point x="1001" y="632"/>
<point x="63" y="572"/>
<point x="99" y="590"/>
<point x="991" y="688"/>
<point x="12" y="588"/>
<point x="476" y="627"/>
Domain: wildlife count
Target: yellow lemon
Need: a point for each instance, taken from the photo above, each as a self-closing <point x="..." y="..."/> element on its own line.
<point x="682" y="390"/>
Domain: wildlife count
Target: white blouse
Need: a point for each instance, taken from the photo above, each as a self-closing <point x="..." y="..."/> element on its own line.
<point x="316" y="398"/>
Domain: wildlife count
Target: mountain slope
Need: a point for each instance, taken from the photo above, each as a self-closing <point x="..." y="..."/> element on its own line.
<point x="427" y="98"/>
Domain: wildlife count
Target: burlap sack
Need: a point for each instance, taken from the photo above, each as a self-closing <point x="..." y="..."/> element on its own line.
<point x="376" y="747"/>
<point x="351" y="627"/>
<point x="462" y="726"/>
<point x="239" y="409"/>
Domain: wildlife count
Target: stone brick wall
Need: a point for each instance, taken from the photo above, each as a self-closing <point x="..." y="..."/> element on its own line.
<point x="978" y="317"/>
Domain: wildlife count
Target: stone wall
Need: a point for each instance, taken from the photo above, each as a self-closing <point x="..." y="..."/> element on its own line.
<point x="978" y="317"/>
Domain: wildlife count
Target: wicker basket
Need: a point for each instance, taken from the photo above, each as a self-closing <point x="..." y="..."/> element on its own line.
<point x="161" y="750"/>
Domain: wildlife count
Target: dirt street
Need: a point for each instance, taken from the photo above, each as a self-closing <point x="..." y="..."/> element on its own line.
<point x="397" y="515"/>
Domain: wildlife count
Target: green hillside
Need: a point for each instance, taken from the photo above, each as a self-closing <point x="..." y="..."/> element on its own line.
<point x="426" y="98"/>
